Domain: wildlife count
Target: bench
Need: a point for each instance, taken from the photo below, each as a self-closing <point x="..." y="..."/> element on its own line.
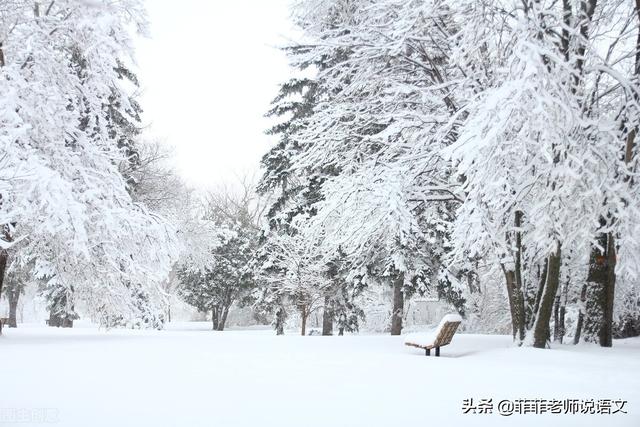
<point x="440" y="337"/>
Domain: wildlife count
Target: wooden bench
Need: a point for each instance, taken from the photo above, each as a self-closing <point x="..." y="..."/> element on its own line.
<point x="440" y="337"/>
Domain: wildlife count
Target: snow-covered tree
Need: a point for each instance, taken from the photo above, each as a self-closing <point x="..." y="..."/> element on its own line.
<point x="470" y="143"/>
<point x="539" y="151"/>
<point x="291" y="276"/>
<point x="376" y="126"/>
<point x="63" y="141"/>
<point x="221" y="275"/>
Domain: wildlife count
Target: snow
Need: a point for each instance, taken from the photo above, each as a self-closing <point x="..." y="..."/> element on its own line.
<point x="450" y="318"/>
<point x="421" y="338"/>
<point x="190" y="376"/>
<point x="427" y="338"/>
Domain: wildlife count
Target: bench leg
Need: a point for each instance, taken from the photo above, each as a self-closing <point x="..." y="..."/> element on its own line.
<point x="427" y="352"/>
<point x="437" y="351"/>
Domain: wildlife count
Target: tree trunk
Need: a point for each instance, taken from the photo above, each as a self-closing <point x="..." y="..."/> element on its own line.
<point x="13" y="296"/>
<point x="223" y="318"/>
<point x="513" y="281"/>
<point x="67" y="322"/>
<point x="1" y="55"/>
<point x="516" y="304"/>
<point x="327" y="317"/>
<point x="581" y="310"/>
<point x="561" y="329"/>
<point x="556" y="319"/>
<point x="214" y="319"/>
<point x="3" y="268"/>
<point x="561" y="313"/>
<point x="543" y="316"/>
<point x="60" y="320"/>
<point x="606" y="334"/>
<point x="602" y="282"/>
<point x="62" y="310"/>
<point x="304" y="314"/>
<point x="510" y="278"/>
<point x="518" y="292"/>
<point x="398" y="305"/>
<point x="54" y="320"/>
<point x="280" y="319"/>
<point x="541" y="283"/>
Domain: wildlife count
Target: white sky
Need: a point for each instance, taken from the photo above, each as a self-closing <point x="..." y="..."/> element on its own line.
<point x="208" y="72"/>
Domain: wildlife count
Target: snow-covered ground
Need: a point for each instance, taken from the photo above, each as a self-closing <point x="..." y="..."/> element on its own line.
<point x="189" y="376"/>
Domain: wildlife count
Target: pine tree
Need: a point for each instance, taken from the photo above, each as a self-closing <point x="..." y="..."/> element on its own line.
<point x="225" y="277"/>
<point x="225" y="281"/>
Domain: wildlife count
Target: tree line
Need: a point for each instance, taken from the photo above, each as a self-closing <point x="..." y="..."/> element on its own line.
<point x="460" y="148"/>
<point x="480" y="152"/>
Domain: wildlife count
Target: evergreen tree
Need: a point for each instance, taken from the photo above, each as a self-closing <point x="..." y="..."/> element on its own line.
<point x="225" y="281"/>
<point x="225" y="276"/>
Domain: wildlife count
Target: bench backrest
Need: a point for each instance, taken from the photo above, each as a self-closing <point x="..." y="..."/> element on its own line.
<point x="446" y="332"/>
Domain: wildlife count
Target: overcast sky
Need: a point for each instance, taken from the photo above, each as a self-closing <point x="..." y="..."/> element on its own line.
<point x="209" y="71"/>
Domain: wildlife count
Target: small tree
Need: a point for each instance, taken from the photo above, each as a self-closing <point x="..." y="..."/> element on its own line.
<point x="340" y="297"/>
<point x="216" y="287"/>
<point x="224" y="277"/>
<point x="292" y="275"/>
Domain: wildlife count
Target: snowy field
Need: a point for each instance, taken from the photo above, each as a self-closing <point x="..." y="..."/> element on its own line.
<point x="189" y="376"/>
